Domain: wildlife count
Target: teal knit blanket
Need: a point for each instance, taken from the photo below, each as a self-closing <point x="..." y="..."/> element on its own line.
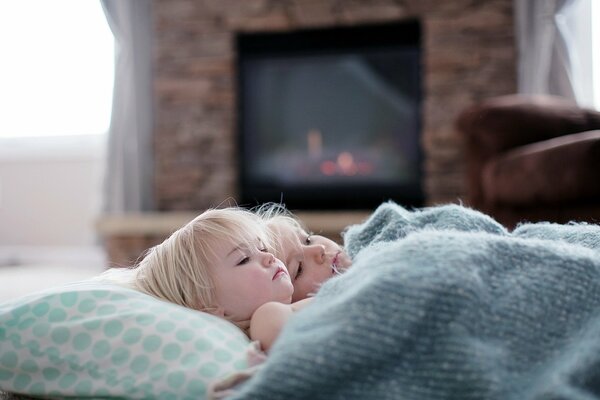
<point x="444" y="303"/>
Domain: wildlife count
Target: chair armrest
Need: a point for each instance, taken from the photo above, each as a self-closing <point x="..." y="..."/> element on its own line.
<point x="506" y="122"/>
<point x="501" y="123"/>
<point x="559" y="170"/>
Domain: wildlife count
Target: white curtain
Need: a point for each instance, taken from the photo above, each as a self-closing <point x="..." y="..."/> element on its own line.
<point x="128" y="178"/>
<point x="555" y="47"/>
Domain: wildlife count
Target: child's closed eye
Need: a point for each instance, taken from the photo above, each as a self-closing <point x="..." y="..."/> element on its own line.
<point x="299" y="270"/>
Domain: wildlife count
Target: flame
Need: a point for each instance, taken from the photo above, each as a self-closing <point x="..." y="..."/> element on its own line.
<point x="345" y="161"/>
<point x="314" y="140"/>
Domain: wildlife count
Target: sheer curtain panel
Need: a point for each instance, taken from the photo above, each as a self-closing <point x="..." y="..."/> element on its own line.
<point x="554" y="43"/>
<point x="128" y="179"/>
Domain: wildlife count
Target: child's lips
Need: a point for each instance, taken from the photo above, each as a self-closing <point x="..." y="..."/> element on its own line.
<point x="279" y="273"/>
<point x="340" y="261"/>
<point x="334" y="263"/>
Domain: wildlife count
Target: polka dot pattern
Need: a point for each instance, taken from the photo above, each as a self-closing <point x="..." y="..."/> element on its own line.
<point x="90" y="340"/>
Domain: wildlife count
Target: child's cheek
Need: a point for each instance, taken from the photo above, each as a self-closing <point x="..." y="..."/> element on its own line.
<point x="257" y="276"/>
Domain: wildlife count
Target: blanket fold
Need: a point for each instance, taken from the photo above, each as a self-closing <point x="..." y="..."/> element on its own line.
<point x="444" y="303"/>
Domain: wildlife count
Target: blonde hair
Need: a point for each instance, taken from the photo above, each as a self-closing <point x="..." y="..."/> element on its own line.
<point x="274" y="214"/>
<point x="177" y="270"/>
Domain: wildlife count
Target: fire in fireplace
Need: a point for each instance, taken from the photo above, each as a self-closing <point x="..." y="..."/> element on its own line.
<point x="330" y="118"/>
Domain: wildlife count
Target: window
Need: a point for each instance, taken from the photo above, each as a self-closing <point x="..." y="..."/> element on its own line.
<point x="57" y="68"/>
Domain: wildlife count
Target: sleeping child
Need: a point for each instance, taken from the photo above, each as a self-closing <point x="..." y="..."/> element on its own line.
<point x="311" y="259"/>
<point x="223" y="263"/>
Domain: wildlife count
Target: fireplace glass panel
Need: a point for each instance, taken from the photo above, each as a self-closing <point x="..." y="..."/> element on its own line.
<point x="330" y="123"/>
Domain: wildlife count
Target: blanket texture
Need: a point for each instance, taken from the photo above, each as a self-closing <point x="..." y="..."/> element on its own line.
<point x="444" y="303"/>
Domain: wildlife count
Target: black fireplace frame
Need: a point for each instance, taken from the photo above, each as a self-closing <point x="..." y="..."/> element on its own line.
<point x="318" y="197"/>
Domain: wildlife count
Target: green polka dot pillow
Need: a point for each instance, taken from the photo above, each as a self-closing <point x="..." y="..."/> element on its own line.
<point x="96" y="340"/>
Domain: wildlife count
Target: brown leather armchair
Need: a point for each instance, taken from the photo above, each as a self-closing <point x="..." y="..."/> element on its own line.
<point x="532" y="158"/>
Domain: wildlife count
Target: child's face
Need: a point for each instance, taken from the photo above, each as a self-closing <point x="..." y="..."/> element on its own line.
<point x="310" y="259"/>
<point x="246" y="278"/>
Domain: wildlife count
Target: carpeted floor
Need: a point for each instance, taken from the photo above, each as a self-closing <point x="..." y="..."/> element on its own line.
<point x="19" y="280"/>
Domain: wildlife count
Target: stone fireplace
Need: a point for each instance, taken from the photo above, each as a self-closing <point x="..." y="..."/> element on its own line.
<point x="468" y="54"/>
<point x="330" y="119"/>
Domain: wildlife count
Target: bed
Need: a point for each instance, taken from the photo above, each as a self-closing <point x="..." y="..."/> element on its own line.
<point x="441" y="303"/>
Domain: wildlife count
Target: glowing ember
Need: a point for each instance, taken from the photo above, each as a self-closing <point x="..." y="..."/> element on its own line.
<point x="346" y="165"/>
<point x="365" y="168"/>
<point x="328" y="168"/>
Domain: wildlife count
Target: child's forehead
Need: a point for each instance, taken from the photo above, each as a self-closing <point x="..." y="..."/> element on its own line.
<point x="249" y="239"/>
<point x="228" y="245"/>
<point x="245" y="234"/>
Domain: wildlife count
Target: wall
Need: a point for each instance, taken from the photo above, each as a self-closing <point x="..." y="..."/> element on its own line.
<point x="50" y="195"/>
<point x="469" y="54"/>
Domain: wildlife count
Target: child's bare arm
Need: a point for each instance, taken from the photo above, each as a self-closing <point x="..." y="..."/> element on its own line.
<point x="268" y="320"/>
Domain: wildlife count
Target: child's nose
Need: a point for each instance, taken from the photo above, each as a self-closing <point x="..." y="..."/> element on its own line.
<point x="317" y="252"/>
<point x="268" y="259"/>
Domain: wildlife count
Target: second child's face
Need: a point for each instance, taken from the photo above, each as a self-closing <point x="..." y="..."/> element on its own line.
<point x="246" y="278"/>
<point x="310" y="259"/>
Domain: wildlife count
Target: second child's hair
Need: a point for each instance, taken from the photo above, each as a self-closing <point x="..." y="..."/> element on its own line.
<point x="274" y="213"/>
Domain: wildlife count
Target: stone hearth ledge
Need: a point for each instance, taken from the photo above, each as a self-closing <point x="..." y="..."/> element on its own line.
<point x="326" y="223"/>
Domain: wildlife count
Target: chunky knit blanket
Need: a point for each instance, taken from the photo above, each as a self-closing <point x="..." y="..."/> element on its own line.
<point x="444" y="303"/>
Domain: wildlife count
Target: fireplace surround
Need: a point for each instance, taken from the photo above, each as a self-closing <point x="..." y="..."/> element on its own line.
<point x="468" y="54"/>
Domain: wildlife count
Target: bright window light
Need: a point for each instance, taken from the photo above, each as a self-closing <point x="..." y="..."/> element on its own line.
<point x="57" y="69"/>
